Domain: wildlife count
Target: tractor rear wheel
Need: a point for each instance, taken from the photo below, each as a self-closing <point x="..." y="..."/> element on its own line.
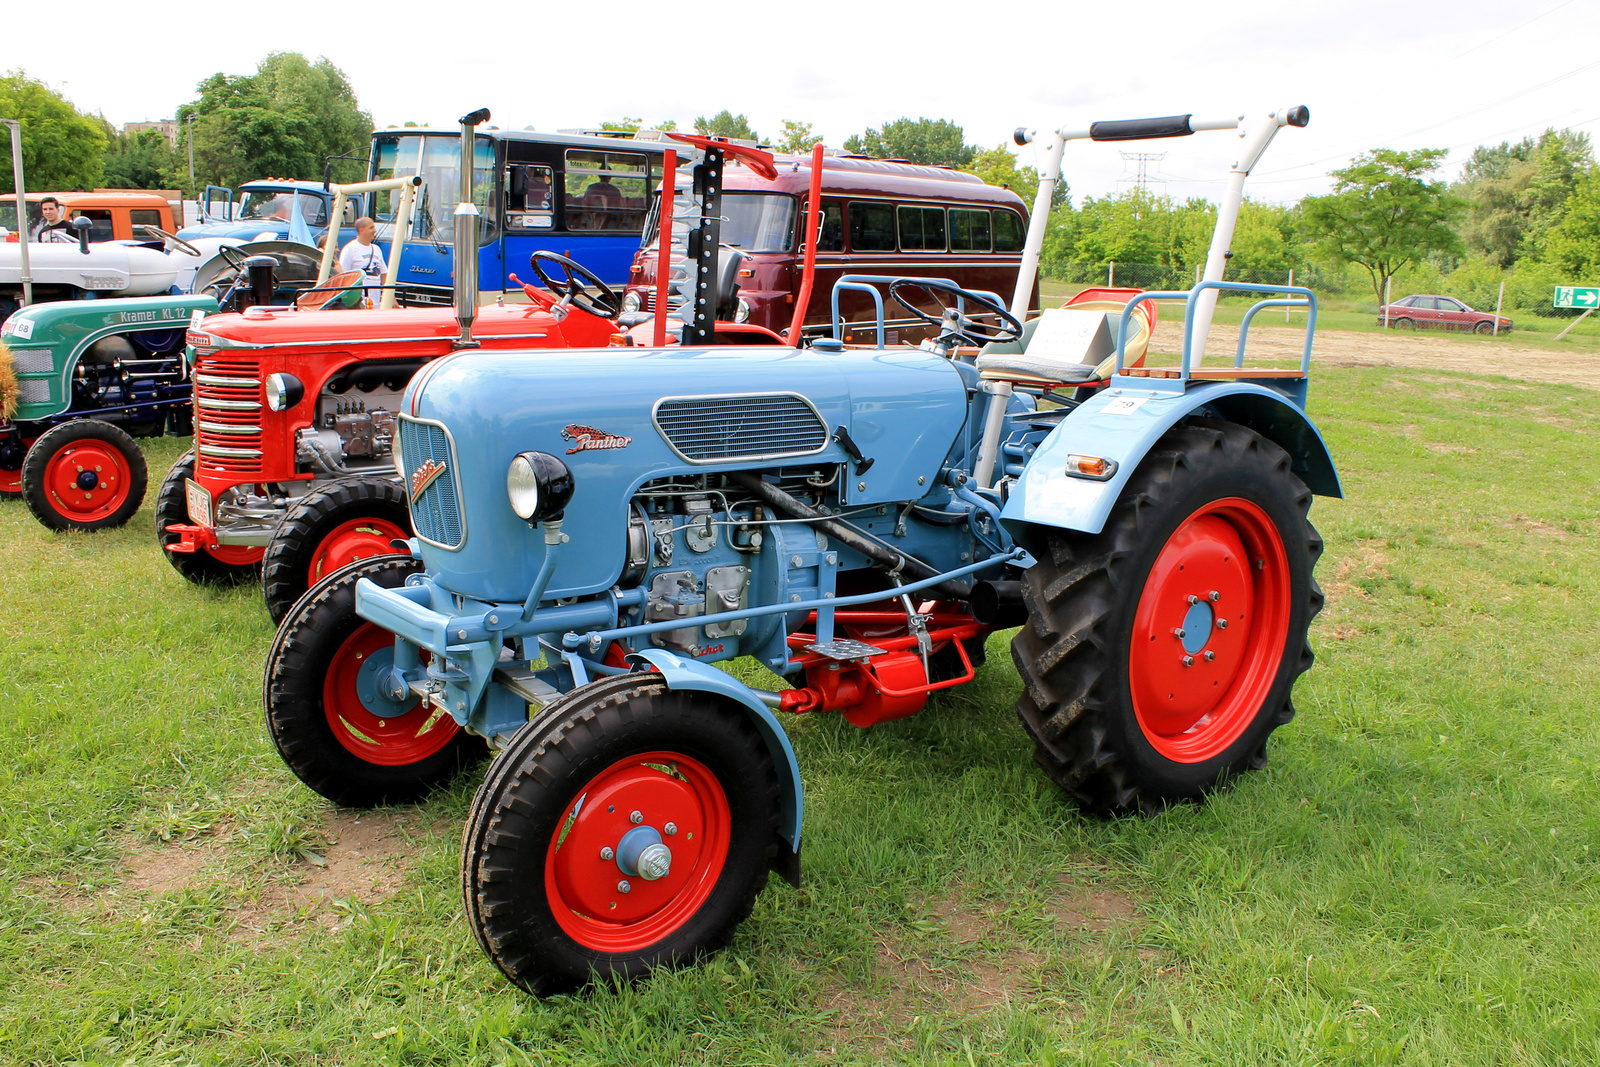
<point x="1162" y="651"/>
<point x="558" y="874"/>
<point x="227" y="565"/>
<point x="84" y="475"/>
<point x="330" y="527"/>
<point x="334" y="727"/>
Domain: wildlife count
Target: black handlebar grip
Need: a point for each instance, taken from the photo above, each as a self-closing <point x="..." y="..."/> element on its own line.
<point x="476" y="117"/>
<point x="1140" y="129"/>
<point x="1299" y="116"/>
<point x="1021" y="135"/>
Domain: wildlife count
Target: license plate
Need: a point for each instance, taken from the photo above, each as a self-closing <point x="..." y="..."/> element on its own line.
<point x="199" y="498"/>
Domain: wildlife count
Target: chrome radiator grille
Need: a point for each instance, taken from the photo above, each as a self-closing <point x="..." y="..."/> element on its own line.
<point x="228" y="400"/>
<point x="706" y="429"/>
<point x="436" y="511"/>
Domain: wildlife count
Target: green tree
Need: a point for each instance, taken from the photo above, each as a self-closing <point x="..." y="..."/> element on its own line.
<point x="281" y="121"/>
<point x="937" y="142"/>
<point x="998" y="166"/>
<point x="1384" y="213"/>
<point x="630" y="125"/>
<point x="1573" y="246"/>
<point x="61" y="148"/>
<point x="143" y="160"/>
<point x="1517" y="193"/>
<point x="725" y="124"/>
<point x="797" y="138"/>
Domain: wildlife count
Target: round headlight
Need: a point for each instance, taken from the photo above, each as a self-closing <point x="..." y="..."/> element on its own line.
<point x="283" y="391"/>
<point x="631" y="301"/>
<point x="540" y="486"/>
<point x="743" y="314"/>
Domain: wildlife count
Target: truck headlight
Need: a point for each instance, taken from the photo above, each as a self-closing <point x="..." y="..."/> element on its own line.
<point x="283" y="391"/>
<point x="743" y="314"/>
<point x="631" y="301"/>
<point x="540" y="486"/>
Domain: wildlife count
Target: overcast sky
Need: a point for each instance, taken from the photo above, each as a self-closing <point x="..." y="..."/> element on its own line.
<point x="1393" y="73"/>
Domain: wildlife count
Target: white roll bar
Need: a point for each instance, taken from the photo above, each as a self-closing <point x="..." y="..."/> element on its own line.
<point x="402" y="225"/>
<point x="1256" y="133"/>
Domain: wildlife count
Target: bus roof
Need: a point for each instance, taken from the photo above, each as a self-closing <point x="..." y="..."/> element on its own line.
<point x="572" y="140"/>
<point x="844" y="175"/>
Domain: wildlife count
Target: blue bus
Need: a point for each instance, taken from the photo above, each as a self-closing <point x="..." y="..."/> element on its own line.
<point x="580" y="194"/>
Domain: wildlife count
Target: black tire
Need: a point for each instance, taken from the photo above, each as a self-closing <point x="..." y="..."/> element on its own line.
<point x="1402" y="324"/>
<point x="111" y="460"/>
<point x="532" y="787"/>
<point x="1483" y="327"/>
<point x="316" y="647"/>
<point x="300" y="550"/>
<point x="1077" y="655"/>
<point x="201" y="567"/>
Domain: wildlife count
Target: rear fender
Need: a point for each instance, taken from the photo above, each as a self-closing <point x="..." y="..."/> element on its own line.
<point x="680" y="673"/>
<point x="1122" y="425"/>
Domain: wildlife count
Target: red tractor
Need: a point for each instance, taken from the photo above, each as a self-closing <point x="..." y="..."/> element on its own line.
<point x="293" y="473"/>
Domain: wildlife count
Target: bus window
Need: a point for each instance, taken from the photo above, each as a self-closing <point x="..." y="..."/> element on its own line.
<point x="606" y="190"/>
<point x="1007" y="231"/>
<point x="530" y="197"/>
<point x="832" y="239"/>
<point x="922" y="229"/>
<point x="872" y="227"/>
<point x="969" y="230"/>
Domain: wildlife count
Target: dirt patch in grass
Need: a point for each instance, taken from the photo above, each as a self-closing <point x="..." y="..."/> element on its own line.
<point x="365" y="860"/>
<point x="1539" y="526"/>
<point x="1367" y="559"/>
<point x="961" y="958"/>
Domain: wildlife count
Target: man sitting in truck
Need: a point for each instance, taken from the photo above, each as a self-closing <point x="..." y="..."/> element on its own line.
<point x="52" y="227"/>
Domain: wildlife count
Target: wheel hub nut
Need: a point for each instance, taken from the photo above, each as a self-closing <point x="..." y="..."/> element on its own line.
<point x="655" y="862"/>
<point x="1188" y="661"/>
<point x="670" y="829"/>
<point x="636" y="818"/>
<point x="1215" y="596"/>
<point x="624" y="887"/>
<point x="1210" y="655"/>
<point x="606" y="853"/>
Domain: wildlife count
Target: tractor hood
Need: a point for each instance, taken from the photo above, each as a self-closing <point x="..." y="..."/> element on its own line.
<point x="619" y="417"/>
<point x="116" y="269"/>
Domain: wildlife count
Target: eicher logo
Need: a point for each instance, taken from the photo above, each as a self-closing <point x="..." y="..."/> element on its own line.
<point x="584" y="438"/>
<point x="425" y="476"/>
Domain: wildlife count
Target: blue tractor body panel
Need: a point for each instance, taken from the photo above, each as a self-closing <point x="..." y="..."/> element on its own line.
<point x="1122" y="423"/>
<point x="727" y="408"/>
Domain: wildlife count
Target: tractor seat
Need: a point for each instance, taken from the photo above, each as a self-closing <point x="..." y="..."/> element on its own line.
<point x="1065" y="345"/>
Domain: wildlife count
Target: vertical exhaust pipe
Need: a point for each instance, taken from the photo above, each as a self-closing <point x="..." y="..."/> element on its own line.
<point x="466" y="236"/>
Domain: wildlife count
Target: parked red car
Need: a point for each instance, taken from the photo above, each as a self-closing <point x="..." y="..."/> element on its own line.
<point x="1438" y="313"/>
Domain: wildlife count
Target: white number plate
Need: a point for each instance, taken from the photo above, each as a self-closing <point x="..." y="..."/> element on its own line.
<point x="199" y="498"/>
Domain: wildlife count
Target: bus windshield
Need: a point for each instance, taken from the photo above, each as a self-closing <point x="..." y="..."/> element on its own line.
<point x="437" y="158"/>
<point x="752" y="222"/>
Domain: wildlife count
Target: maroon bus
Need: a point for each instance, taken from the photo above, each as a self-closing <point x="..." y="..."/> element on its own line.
<point x="880" y="217"/>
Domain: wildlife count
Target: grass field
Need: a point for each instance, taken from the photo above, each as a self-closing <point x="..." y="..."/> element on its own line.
<point x="1412" y="880"/>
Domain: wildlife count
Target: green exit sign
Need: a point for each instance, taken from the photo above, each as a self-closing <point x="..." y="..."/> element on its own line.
<point x="1577" y="296"/>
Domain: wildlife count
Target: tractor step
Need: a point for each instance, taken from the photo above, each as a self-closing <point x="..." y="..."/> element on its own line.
<point x="846" y="649"/>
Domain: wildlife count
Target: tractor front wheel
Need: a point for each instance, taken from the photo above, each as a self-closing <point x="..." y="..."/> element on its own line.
<point x="631" y="829"/>
<point x="331" y="527"/>
<point x="1162" y="651"/>
<point x="225" y="565"/>
<point x="84" y="475"/>
<point x="329" y="717"/>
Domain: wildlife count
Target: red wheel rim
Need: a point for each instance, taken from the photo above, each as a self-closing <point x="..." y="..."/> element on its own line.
<point x="1209" y="632"/>
<point x="88" y="480"/>
<point x="386" y="732"/>
<point x="10" y="481"/>
<point x="236" y="555"/>
<point x="668" y="790"/>
<point x="350" y="541"/>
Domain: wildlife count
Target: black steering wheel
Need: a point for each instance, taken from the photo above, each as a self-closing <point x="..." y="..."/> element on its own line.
<point x="959" y="324"/>
<point x="581" y="288"/>
<point x="232" y="257"/>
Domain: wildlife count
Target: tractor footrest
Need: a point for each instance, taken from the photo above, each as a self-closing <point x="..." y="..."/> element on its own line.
<point x="846" y="649"/>
<point x="527" y="685"/>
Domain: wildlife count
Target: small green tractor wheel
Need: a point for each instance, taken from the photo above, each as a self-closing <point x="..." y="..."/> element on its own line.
<point x="226" y="565"/>
<point x="329" y="717"/>
<point x="84" y="475"/>
<point x="1162" y="651"/>
<point x="332" y="526"/>
<point x="630" y="828"/>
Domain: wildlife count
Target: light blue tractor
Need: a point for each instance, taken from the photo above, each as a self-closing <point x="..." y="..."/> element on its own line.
<point x="596" y="530"/>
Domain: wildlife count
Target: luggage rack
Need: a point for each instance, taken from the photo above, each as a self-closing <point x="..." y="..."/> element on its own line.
<point x="1176" y="379"/>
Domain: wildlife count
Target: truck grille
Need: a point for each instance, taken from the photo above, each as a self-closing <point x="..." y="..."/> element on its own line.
<point x="705" y="429"/>
<point x="436" y="513"/>
<point x="228" y="404"/>
<point x="673" y="302"/>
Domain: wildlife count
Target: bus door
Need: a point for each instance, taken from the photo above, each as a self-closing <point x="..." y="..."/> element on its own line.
<point x="532" y="192"/>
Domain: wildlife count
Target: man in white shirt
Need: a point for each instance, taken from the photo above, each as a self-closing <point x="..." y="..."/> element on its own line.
<point x="362" y="255"/>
